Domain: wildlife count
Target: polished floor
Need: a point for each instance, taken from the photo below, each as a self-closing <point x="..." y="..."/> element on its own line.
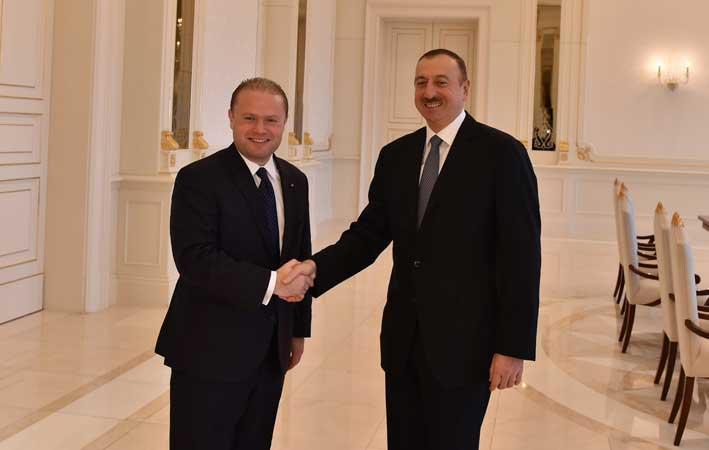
<point x="92" y="381"/>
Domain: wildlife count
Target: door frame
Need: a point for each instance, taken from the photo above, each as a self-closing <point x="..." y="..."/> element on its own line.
<point x="377" y="12"/>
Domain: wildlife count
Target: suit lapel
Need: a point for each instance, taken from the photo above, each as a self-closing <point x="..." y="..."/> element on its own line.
<point x="244" y="181"/>
<point x="290" y="209"/>
<point x="447" y="179"/>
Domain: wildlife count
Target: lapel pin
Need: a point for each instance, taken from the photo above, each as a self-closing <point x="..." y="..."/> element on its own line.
<point x="292" y="185"/>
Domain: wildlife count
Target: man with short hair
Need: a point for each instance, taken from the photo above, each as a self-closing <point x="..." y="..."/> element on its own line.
<point x="237" y="216"/>
<point x="459" y="201"/>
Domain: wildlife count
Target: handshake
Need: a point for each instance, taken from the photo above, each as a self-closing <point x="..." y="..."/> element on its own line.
<point x="294" y="278"/>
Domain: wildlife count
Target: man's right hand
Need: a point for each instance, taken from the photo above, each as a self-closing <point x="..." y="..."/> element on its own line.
<point x="294" y="279"/>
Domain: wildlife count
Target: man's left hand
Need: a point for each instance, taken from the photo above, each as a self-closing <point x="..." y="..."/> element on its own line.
<point x="296" y="351"/>
<point x="505" y="371"/>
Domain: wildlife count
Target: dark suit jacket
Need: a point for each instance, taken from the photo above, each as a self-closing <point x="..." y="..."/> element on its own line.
<point x="216" y="326"/>
<point x="469" y="277"/>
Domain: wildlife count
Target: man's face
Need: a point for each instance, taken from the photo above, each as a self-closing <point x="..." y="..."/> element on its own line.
<point x="257" y="119"/>
<point x="440" y="92"/>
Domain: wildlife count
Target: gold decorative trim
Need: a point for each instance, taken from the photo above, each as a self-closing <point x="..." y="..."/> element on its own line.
<point x="168" y="142"/>
<point x="584" y="153"/>
<point x="307" y="139"/>
<point x="199" y="142"/>
<point x="292" y="140"/>
<point x="563" y="146"/>
<point x="660" y="208"/>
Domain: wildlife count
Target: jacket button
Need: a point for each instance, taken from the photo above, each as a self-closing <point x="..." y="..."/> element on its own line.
<point x="417" y="264"/>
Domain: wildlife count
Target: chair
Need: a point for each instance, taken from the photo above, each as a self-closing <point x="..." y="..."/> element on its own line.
<point x="641" y="288"/>
<point x="645" y="246"/>
<point x="692" y="334"/>
<point x="668" y="355"/>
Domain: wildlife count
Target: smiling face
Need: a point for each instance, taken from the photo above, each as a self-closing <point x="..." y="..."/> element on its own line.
<point x="441" y="92"/>
<point x="257" y="120"/>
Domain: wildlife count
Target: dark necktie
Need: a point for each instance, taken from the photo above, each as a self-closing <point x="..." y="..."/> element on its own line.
<point x="429" y="176"/>
<point x="269" y="206"/>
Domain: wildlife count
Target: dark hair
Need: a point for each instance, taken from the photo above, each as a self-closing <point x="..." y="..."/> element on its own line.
<point x="444" y="51"/>
<point x="259" y="84"/>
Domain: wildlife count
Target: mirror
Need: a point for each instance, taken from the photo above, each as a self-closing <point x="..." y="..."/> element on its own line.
<point x="182" y="82"/>
<point x="546" y="77"/>
<point x="300" y="71"/>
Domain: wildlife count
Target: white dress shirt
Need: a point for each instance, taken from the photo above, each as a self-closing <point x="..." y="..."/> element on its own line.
<point x="447" y="135"/>
<point x="275" y="179"/>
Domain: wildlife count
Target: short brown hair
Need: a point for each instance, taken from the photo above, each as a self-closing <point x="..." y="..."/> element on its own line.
<point x="444" y="51"/>
<point x="259" y="84"/>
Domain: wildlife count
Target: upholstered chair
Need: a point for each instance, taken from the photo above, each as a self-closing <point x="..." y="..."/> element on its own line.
<point x="693" y="335"/>
<point x="648" y="247"/>
<point x="641" y="287"/>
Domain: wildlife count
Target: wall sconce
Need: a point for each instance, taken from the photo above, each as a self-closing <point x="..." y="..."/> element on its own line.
<point x="672" y="78"/>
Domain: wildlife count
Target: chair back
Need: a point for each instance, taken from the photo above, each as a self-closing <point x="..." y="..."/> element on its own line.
<point x="685" y="291"/>
<point x="664" y="271"/>
<point x="629" y="243"/>
<point x="616" y="215"/>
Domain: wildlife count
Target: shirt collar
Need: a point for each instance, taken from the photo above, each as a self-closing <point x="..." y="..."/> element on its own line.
<point x="448" y="133"/>
<point x="270" y="166"/>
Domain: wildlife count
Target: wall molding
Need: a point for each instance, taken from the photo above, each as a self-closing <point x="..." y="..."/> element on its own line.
<point x="104" y="146"/>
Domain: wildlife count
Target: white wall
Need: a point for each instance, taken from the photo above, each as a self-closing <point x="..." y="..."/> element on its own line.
<point x="627" y="114"/>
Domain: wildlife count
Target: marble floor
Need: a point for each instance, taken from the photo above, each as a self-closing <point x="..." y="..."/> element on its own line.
<point x="92" y="381"/>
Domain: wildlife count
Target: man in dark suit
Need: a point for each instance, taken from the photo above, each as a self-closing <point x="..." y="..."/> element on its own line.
<point x="237" y="216"/>
<point x="462" y="304"/>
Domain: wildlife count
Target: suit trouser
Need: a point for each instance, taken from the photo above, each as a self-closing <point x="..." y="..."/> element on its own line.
<point x="423" y="415"/>
<point x="226" y="416"/>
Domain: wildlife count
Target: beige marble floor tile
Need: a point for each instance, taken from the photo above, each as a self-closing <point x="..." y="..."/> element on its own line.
<point x="342" y="386"/>
<point x="10" y="414"/>
<point x="152" y="371"/>
<point x="146" y="436"/>
<point x="80" y="359"/>
<point x="59" y="432"/>
<point x="315" y="424"/>
<point x="162" y="416"/>
<point x="117" y="399"/>
<point x="34" y="390"/>
<point x="29" y="322"/>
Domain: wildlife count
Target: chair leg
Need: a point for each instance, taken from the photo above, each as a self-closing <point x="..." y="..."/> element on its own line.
<point x="663" y="358"/>
<point x="617" y="281"/>
<point x="629" y="328"/>
<point x="678" y="396"/>
<point x="624" y="306"/>
<point x="686" y="405"/>
<point x="670" y="370"/>
<point x="620" y="289"/>
<point x="624" y="326"/>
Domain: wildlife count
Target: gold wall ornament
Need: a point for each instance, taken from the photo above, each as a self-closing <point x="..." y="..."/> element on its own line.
<point x="292" y="140"/>
<point x="173" y="160"/>
<point x="584" y="153"/>
<point x="307" y="146"/>
<point x="168" y="142"/>
<point x="563" y="146"/>
<point x="199" y="142"/>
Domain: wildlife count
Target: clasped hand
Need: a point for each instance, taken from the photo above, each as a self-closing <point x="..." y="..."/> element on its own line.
<point x="294" y="278"/>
